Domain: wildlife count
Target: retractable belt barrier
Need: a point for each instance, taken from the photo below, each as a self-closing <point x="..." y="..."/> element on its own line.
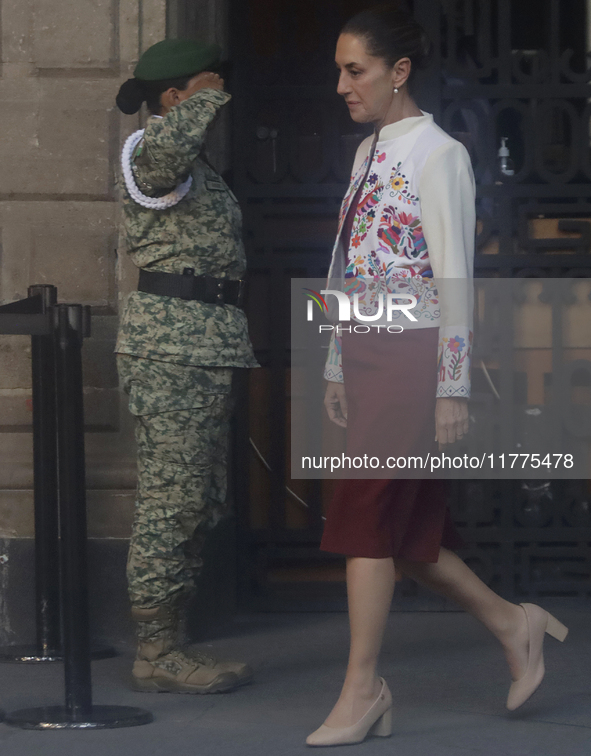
<point x="57" y="333"/>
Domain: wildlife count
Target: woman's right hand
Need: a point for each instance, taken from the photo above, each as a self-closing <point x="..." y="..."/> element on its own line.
<point x="335" y="402"/>
<point x="206" y="80"/>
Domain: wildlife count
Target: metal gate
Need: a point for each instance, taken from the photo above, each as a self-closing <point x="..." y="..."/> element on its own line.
<point x="501" y="68"/>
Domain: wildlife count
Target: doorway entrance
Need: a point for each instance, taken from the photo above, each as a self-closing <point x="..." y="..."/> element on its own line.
<point x="501" y="68"/>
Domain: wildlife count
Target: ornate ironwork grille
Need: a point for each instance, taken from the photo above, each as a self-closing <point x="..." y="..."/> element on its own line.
<point x="501" y="68"/>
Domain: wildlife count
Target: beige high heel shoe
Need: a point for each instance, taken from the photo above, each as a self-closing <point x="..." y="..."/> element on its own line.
<point x="376" y="721"/>
<point x="539" y="622"/>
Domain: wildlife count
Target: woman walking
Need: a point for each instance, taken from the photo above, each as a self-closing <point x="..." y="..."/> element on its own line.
<point x="408" y="216"/>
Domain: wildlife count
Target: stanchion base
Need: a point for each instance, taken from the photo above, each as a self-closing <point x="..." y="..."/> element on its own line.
<point x="30" y="654"/>
<point x="59" y="718"/>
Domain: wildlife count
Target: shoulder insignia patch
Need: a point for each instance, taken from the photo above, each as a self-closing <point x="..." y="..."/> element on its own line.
<point x="215" y="185"/>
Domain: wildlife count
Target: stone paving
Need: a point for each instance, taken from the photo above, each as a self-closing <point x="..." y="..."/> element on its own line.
<point x="447" y="676"/>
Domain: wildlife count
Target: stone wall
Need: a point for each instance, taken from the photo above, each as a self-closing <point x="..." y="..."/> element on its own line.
<point x="62" y="64"/>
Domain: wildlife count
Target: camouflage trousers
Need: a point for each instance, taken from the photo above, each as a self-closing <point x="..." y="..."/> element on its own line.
<point x="182" y="415"/>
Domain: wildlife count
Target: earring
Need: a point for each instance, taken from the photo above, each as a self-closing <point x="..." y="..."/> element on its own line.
<point x="395" y="90"/>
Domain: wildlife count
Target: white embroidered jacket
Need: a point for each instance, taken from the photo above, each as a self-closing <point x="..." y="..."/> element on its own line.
<point x="414" y="227"/>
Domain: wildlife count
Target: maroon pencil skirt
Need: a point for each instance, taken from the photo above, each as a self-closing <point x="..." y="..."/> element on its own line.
<point x="390" y="384"/>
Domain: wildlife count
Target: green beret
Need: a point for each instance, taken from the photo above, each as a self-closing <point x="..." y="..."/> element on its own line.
<point x="172" y="58"/>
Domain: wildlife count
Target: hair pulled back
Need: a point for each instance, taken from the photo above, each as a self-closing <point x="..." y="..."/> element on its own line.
<point x="134" y="92"/>
<point x="390" y="32"/>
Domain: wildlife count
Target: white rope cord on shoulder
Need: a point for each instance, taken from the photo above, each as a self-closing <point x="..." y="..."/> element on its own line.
<point x="153" y="203"/>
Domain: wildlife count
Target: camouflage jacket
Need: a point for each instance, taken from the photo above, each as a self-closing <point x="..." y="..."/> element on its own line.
<point x="203" y="231"/>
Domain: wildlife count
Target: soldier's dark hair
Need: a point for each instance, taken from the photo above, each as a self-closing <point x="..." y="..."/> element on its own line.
<point x="390" y="32"/>
<point x="134" y="92"/>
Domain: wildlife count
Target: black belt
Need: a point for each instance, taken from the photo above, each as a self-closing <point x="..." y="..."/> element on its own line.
<point x="189" y="286"/>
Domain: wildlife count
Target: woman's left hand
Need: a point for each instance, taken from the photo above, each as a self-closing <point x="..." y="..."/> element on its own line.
<point x="451" y="420"/>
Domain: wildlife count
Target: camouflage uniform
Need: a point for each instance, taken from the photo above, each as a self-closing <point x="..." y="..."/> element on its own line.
<point x="175" y="356"/>
<point x="182" y="418"/>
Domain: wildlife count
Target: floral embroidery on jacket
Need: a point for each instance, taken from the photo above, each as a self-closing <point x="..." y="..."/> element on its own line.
<point x="366" y="213"/>
<point x="453" y="353"/>
<point x="356" y="267"/>
<point x="379" y="278"/>
<point x="402" y="232"/>
<point x="387" y="254"/>
<point x="355" y="285"/>
<point x="399" y="185"/>
<point x="425" y="291"/>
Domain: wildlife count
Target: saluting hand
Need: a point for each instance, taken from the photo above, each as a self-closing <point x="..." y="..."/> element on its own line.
<point x="451" y="420"/>
<point x="206" y="80"/>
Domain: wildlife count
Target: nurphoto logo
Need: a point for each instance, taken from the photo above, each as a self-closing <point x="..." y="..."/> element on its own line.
<point x="385" y="302"/>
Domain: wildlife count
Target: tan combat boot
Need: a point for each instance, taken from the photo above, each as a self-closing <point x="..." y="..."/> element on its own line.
<point x="242" y="671"/>
<point x="160" y="664"/>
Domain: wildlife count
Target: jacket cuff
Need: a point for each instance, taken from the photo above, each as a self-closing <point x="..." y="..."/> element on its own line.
<point x="333" y="370"/>
<point x="333" y="374"/>
<point x="454" y="358"/>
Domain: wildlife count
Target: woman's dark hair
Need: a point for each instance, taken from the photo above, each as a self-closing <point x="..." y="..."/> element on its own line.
<point x="135" y="91"/>
<point x="390" y="32"/>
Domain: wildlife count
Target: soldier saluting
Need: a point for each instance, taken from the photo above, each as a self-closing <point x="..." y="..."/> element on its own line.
<point x="181" y="334"/>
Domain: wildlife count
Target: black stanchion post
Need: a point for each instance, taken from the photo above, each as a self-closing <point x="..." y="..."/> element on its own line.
<point x="47" y="571"/>
<point x="69" y="335"/>
<point x="48" y="647"/>
<point x="71" y="324"/>
<point x="47" y="567"/>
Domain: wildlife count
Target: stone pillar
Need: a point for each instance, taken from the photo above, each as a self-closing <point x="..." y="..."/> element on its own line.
<point x="63" y="62"/>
